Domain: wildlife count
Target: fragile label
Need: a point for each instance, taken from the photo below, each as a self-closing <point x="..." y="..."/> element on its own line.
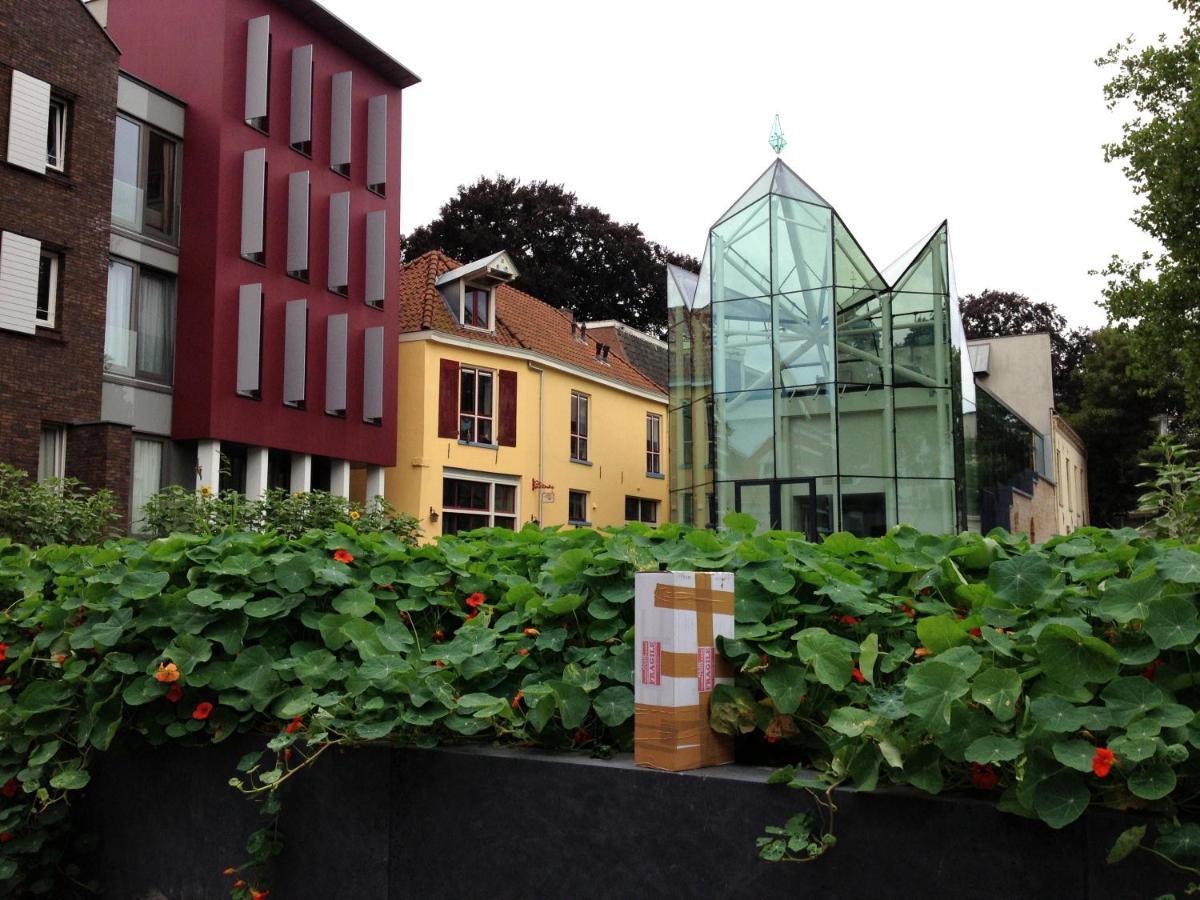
<point x="651" y="662"/>
<point x="705" y="674"/>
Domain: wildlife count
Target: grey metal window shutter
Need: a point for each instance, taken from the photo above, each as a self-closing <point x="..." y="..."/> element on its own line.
<point x="339" y="240"/>
<point x="249" y="344"/>
<point x="254" y="178"/>
<point x="295" y="350"/>
<point x="339" y="120"/>
<point x="297" y="234"/>
<point x="376" y="257"/>
<point x="20" y="263"/>
<point x="28" y="122"/>
<point x="335" y="363"/>
<point x="373" y="374"/>
<point x="300" y="123"/>
<point x="377" y="140"/>
<point x="258" y="43"/>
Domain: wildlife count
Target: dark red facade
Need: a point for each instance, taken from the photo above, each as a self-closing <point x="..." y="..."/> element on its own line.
<point x="197" y="51"/>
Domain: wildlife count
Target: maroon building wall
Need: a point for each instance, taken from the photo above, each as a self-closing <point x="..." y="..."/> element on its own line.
<point x="197" y="51"/>
<point x="54" y="376"/>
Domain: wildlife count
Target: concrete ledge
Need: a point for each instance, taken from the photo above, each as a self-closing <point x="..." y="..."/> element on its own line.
<point x="460" y="822"/>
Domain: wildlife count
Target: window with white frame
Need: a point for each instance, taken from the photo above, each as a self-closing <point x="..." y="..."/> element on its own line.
<point x="641" y="509"/>
<point x="470" y="502"/>
<point x="475" y="404"/>
<point x="139" y="331"/>
<point x="47" y="291"/>
<point x="579" y="426"/>
<point x="653" y="444"/>
<point x="52" y="454"/>
<point x="147" y="479"/>
<point x="56" y="134"/>
<point x="476" y="311"/>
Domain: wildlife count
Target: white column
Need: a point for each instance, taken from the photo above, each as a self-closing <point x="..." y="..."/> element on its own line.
<point x="256" y="472"/>
<point x="208" y="465"/>
<point x="375" y="482"/>
<point x="339" y="478"/>
<point x="301" y="473"/>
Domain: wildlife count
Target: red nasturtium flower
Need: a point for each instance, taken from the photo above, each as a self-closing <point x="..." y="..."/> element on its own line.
<point x="10" y="788"/>
<point x="258" y="895"/>
<point x="239" y="884"/>
<point x="908" y="610"/>
<point x="343" y="556"/>
<point x="473" y="614"/>
<point x="848" y="620"/>
<point x="523" y="652"/>
<point x="582" y="737"/>
<point x="6" y="836"/>
<point x="984" y="777"/>
<point x="858" y="675"/>
<point x="975" y="632"/>
<point x="295" y="725"/>
<point x="439" y="664"/>
<point x="3" y="652"/>
<point x="772" y="738"/>
<point x="517" y="699"/>
<point x="230" y="871"/>
<point x="202" y="710"/>
<point x="1103" y="761"/>
<point x="439" y="635"/>
<point x="1152" y="670"/>
<point x="531" y="632"/>
<point x="167" y="672"/>
<point x="476" y="600"/>
<point x="287" y="755"/>
<point x="174" y="693"/>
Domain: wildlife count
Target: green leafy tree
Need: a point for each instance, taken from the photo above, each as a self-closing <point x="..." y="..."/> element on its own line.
<point x="1158" y="150"/>
<point x="1003" y="313"/>
<point x="1115" y="417"/>
<point x="569" y="254"/>
<point x="55" y="511"/>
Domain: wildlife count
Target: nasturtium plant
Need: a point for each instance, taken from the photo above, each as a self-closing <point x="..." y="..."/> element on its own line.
<point x="1053" y="677"/>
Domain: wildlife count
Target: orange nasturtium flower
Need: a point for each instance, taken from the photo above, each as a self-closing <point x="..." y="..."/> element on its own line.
<point x="202" y="710"/>
<point x="3" y="652"/>
<point x="1103" y="761"/>
<point x="230" y="871"/>
<point x="295" y="725"/>
<point x="524" y="651"/>
<point x="858" y="675"/>
<point x="531" y="632"/>
<point x="921" y="651"/>
<point x="343" y="556"/>
<point x="476" y="600"/>
<point x="517" y="699"/>
<point x="167" y="672"/>
<point x="258" y="895"/>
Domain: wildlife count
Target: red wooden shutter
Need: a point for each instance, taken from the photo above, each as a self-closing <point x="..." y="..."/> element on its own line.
<point x="448" y="400"/>
<point x="506" y="429"/>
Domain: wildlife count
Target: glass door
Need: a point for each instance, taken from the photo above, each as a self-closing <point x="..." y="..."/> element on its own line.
<point x="763" y="498"/>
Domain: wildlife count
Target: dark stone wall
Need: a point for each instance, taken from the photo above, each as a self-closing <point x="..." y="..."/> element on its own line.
<point x="55" y="375"/>
<point x="376" y="823"/>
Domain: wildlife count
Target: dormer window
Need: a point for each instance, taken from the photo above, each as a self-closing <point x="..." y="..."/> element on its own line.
<point x="477" y="307"/>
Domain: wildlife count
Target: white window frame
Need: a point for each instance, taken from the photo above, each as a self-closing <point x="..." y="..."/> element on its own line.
<point x="57" y="466"/>
<point x="47" y="321"/>
<point x="653" y="444"/>
<point x="59" y="115"/>
<point x="475" y="416"/>
<point x="580" y="439"/>
<point x="135" y="518"/>
<point x="463" y="288"/>
<point x="491" y="481"/>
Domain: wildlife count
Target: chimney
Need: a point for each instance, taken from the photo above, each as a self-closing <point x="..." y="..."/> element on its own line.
<point x="599" y="347"/>
<point x="572" y="327"/>
<point x="606" y="349"/>
<point x="583" y="331"/>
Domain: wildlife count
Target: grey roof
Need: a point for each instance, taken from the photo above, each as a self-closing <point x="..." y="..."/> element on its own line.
<point x="649" y="358"/>
<point x="322" y="20"/>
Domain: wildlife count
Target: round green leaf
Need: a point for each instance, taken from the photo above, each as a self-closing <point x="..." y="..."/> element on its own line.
<point x="829" y="656"/>
<point x="354" y="602"/>
<point x="71" y="779"/>
<point x="1074" y="660"/>
<point x="1180" y="565"/>
<point x="930" y="690"/>
<point x="614" y="705"/>
<point x="998" y="689"/>
<point x="1130" y="697"/>
<point x="1056" y="714"/>
<point x="1061" y="799"/>
<point x="1152" y="781"/>
<point x="993" y="749"/>
<point x="1125" y="601"/>
<point x="1021" y="580"/>
<point x="850" y="721"/>
<point x="1075" y="754"/>
<point x="1172" y="622"/>
<point x="785" y="684"/>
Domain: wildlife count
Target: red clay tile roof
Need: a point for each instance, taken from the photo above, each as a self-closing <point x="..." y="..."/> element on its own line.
<point x="522" y="322"/>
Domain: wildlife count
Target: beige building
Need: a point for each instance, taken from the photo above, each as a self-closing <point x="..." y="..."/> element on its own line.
<point x="1016" y="370"/>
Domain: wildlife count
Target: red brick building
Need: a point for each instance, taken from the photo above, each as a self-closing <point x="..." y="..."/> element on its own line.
<point x="58" y="86"/>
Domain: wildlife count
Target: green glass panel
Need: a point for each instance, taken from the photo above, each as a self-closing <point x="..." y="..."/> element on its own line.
<point x="929" y="272"/>
<point x="868" y="505"/>
<point x="756" y="191"/>
<point x="865" y="431"/>
<point x="745" y="434"/>
<point x="927" y="504"/>
<point x="851" y="267"/>
<point x="863" y="343"/>
<point x="742" y="355"/>
<point x="755" y="500"/>
<point x="804" y="346"/>
<point x="921" y="349"/>
<point x="740" y="248"/>
<point x="788" y="184"/>
<point x="802" y="237"/>
<point x="807" y="432"/>
<point x="690" y="506"/>
<point x="796" y="501"/>
<point x="925" y="426"/>
<point x="688" y="445"/>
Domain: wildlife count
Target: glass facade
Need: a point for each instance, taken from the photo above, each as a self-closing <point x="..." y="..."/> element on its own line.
<point x="811" y="390"/>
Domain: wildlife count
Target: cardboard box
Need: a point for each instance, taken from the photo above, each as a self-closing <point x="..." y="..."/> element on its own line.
<point x="677" y="618"/>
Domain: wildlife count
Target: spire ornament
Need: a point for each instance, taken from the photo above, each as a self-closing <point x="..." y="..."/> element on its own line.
<point x="777" y="140"/>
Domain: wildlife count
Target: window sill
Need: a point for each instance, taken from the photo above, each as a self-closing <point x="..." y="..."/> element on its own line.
<point x="478" y="444"/>
<point x="582" y="462"/>
<point x="158" y="242"/>
<point x="659" y="475"/>
<point x="133" y="381"/>
<point x="579" y="524"/>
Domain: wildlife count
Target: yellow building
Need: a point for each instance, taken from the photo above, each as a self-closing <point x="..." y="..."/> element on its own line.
<point x="510" y="412"/>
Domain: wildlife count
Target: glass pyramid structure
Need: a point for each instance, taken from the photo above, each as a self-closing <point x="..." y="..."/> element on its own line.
<point x="808" y="388"/>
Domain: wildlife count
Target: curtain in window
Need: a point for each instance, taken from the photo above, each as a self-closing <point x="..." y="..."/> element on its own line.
<point x="147" y="476"/>
<point x="156" y="325"/>
<point x="118" y="339"/>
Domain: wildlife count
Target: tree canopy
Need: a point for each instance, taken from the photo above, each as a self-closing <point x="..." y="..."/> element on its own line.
<point x="1002" y="313"/>
<point x="1158" y="149"/>
<point x="569" y="254"/>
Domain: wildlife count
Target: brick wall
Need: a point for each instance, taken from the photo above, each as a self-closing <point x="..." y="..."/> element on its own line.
<point x="55" y="376"/>
<point x="1037" y="516"/>
<point x="102" y="455"/>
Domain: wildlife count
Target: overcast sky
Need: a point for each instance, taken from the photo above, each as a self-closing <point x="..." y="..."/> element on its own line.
<point x="899" y="114"/>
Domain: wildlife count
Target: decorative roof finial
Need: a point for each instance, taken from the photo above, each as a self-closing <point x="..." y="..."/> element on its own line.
<point x="777" y="141"/>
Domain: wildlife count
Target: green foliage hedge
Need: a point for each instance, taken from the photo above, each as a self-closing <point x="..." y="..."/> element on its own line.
<point x="939" y="662"/>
